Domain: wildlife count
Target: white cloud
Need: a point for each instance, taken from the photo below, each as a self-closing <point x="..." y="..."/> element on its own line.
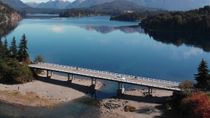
<point x="57" y="28"/>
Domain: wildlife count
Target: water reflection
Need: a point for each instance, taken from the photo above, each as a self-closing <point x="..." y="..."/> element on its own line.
<point x="6" y="28"/>
<point x="179" y="38"/>
<point x="109" y="29"/>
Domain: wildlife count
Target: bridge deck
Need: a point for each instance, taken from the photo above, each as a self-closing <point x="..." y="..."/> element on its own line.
<point x="128" y="79"/>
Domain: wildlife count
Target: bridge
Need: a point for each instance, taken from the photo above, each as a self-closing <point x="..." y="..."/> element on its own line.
<point x="109" y="76"/>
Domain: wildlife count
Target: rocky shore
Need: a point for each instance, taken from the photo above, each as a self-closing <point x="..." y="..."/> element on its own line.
<point x="134" y="105"/>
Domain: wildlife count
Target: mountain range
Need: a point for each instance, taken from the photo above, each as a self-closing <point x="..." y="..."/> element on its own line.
<point x="57" y="4"/>
<point x="65" y="4"/>
<point x="160" y="4"/>
<point x="16" y="4"/>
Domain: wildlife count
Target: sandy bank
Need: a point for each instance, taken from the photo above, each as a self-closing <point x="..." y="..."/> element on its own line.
<point x="45" y="92"/>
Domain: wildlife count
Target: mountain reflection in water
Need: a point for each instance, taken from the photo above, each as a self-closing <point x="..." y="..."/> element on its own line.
<point x="177" y="38"/>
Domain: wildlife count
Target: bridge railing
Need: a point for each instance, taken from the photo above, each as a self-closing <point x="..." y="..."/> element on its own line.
<point x="116" y="75"/>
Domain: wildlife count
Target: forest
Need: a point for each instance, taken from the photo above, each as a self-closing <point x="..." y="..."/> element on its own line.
<point x="197" y="20"/>
<point x="13" y="62"/>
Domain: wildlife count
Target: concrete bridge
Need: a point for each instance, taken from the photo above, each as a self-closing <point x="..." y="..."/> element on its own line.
<point x="109" y="76"/>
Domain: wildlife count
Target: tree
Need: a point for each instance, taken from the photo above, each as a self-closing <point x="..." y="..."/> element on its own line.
<point x="202" y="77"/>
<point x="1" y="48"/>
<point x="186" y="86"/>
<point x="23" y="55"/>
<point x="38" y="59"/>
<point x="13" y="48"/>
<point x="6" y="51"/>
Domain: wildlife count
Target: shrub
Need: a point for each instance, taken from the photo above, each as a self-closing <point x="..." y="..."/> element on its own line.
<point x="129" y="108"/>
<point x="12" y="71"/>
<point x="196" y="106"/>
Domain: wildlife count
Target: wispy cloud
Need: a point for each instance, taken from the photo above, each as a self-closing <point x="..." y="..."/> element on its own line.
<point x="57" y="28"/>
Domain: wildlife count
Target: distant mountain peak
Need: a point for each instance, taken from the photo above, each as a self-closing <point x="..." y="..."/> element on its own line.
<point x="55" y="4"/>
<point x="16" y="4"/>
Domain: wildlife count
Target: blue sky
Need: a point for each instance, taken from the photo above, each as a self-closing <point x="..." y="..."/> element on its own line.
<point x="38" y="0"/>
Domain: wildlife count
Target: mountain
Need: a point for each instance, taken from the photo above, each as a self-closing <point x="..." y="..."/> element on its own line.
<point x="32" y="4"/>
<point x="176" y="4"/>
<point x="87" y="3"/>
<point x="118" y="6"/>
<point x="114" y="8"/>
<point x="8" y="19"/>
<point x="55" y="4"/>
<point x="16" y="4"/>
<point x="160" y="4"/>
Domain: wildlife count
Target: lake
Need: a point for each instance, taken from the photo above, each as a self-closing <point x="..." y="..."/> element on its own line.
<point x="98" y="43"/>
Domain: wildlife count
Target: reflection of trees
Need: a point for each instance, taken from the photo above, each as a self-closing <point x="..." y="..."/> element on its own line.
<point x="6" y="28"/>
<point x="178" y="38"/>
<point x="108" y="29"/>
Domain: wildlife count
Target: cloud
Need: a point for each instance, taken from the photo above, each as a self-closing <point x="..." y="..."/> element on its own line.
<point x="57" y="28"/>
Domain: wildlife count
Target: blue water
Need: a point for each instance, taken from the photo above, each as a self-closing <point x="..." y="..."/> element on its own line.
<point x="98" y="43"/>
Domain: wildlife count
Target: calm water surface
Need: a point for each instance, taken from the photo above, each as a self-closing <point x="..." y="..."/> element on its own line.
<point x="97" y="43"/>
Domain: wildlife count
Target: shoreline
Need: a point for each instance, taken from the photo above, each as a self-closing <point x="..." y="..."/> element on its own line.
<point x="145" y="106"/>
<point x="40" y="93"/>
<point x="49" y="93"/>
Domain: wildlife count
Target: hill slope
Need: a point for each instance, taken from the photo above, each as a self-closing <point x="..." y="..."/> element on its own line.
<point x="56" y="4"/>
<point x="16" y="4"/>
<point x="8" y="18"/>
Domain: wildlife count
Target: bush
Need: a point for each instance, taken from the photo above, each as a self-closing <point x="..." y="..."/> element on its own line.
<point x="12" y="71"/>
<point x="187" y="86"/>
<point x="196" y="106"/>
<point x="129" y="108"/>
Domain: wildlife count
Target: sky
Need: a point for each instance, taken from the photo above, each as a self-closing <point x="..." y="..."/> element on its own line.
<point x="38" y="0"/>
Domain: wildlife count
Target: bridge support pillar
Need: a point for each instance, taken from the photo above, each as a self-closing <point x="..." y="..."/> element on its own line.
<point x="49" y="75"/>
<point x="93" y="86"/>
<point x="149" y="91"/>
<point x="70" y="77"/>
<point x="93" y="81"/>
<point x="121" y="89"/>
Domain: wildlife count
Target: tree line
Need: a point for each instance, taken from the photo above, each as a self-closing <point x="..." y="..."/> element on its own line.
<point x="13" y="61"/>
<point x="13" y="51"/>
<point x="197" y="20"/>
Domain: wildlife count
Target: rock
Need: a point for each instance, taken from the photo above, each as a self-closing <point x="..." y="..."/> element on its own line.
<point x="129" y="108"/>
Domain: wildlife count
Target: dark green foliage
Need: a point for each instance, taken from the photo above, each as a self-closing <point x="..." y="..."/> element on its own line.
<point x="202" y="77"/>
<point x="6" y="50"/>
<point x="23" y="55"/>
<point x="135" y="16"/>
<point x="128" y="17"/>
<point x="195" y="20"/>
<point x="13" y="48"/>
<point x="11" y="70"/>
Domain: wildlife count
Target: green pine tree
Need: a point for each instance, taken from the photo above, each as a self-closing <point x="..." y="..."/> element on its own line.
<point x="6" y="50"/>
<point x="202" y="77"/>
<point x="1" y="48"/>
<point x="13" y="48"/>
<point x="23" y="55"/>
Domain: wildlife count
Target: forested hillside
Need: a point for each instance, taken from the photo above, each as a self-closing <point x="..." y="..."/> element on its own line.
<point x="197" y="20"/>
<point x="8" y="18"/>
